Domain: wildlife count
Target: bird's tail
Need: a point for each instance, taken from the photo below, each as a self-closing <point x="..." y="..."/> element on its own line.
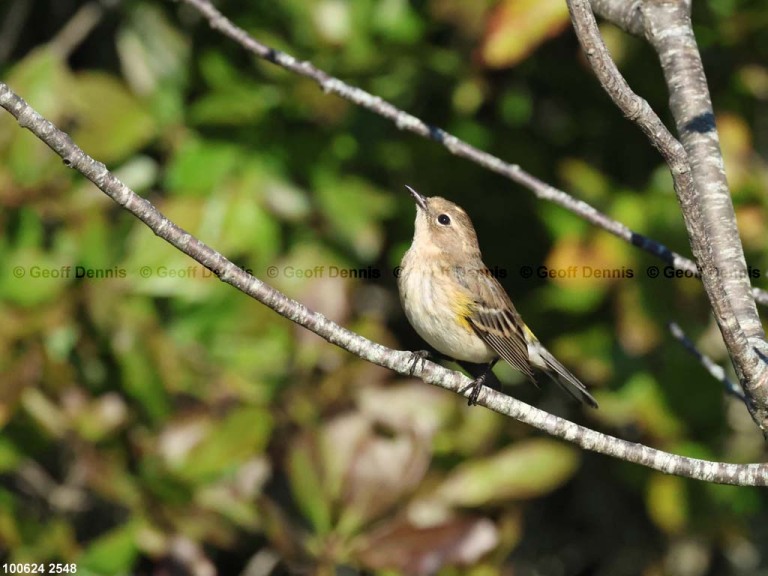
<point x="552" y="367"/>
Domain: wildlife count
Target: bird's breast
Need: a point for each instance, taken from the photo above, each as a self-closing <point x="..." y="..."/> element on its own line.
<point x="437" y="306"/>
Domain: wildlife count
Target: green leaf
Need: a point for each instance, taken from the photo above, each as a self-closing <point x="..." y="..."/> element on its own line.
<point x="355" y="210"/>
<point x="139" y="372"/>
<point x="529" y="469"/>
<point x="241" y="435"/>
<point x="584" y="181"/>
<point x="306" y="482"/>
<point x="112" y="553"/>
<point x="40" y="77"/>
<point x="640" y="403"/>
<point x="31" y="278"/>
<point x="397" y="21"/>
<point x="199" y="166"/>
<point x="10" y="455"/>
<point x="666" y="501"/>
<point x="232" y="98"/>
<point x="111" y="122"/>
<point x="157" y="268"/>
<point x="236" y="222"/>
<point x="44" y="81"/>
<point x="155" y="58"/>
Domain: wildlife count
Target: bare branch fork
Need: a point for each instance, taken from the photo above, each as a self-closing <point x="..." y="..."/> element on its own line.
<point x="454" y="145"/>
<point x="399" y="361"/>
<point x="697" y="171"/>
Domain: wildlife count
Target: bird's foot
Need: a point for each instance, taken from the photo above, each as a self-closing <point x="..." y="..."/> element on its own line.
<point x="419" y="356"/>
<point x="477" y="386"/>
<point x="484" y="378"/>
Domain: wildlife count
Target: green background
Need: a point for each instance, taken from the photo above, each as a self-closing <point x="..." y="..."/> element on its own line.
<point x="156" y="421"/>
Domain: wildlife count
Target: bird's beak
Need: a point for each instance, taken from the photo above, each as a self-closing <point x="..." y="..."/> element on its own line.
<point x="421" y="202"/>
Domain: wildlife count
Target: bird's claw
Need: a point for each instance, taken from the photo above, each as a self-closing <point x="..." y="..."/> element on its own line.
<point x="477" y="386"/>
<point x="418" y="356"/>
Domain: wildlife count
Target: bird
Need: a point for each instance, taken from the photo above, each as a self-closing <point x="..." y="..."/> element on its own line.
<point x="461" y="310"/>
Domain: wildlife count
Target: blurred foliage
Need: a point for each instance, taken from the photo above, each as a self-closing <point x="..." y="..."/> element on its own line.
<point x="155" y="421"/>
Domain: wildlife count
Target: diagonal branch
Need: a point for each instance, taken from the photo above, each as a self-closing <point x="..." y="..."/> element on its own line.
<point x="405" y="121"/>
<point x="399" y="361"/>
<point x="707" y="213"/>
<point x="715" y="370"/>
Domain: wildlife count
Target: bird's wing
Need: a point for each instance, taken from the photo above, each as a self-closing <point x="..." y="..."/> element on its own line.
<point x="494" y="319"/>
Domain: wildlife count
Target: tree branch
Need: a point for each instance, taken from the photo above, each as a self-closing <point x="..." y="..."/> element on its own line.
<point x="455" y="146"/>
<point x="399" y="361"/>
<point x="626" y="14"/>
<point x="668" y="29"/>
<point x="716" y="247"/>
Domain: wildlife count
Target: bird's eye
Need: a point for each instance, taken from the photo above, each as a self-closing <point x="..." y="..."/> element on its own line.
<point x="444" y="219"/>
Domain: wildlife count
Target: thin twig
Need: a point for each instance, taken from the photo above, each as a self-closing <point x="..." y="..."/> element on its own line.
<point x="405" y="121"/>
<point x="12" y="26"/>
<point x="399" y="361"/>
<point x="77" y="28"/>
<point x="715" y="370"/>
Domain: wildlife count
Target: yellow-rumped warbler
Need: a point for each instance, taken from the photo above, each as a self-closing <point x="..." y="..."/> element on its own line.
<point x="460" y="309"/>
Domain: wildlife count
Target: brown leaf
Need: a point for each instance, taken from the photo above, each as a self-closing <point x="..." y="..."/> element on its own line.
<point x="415" y="550"/>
